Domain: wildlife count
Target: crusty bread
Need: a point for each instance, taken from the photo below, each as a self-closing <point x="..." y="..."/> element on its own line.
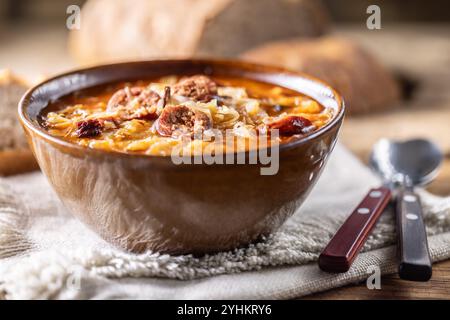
<point x="15" y="156"/>
<point x="143" y="29"/>
<point x="363" y="82"/>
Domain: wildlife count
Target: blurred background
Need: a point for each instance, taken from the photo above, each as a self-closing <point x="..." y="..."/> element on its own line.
<point x="395" y="80"/>
<point x="340" y="11"/>
<point x="38" y="27"/>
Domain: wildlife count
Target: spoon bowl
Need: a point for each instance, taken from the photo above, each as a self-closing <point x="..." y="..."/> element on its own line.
<point x="415" y="162"/>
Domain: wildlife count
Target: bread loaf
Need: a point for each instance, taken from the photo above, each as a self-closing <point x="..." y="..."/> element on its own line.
<point x="143" y="29"/>
<point x="15" y="156"/>
<point x="363" y="82"/>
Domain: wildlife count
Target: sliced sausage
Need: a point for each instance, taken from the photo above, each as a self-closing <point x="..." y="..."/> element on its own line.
<point x="180" y="120"/>
<point x="199" y="88"/>
<point x="145" y="107"/>
<point x="291" y="125"/>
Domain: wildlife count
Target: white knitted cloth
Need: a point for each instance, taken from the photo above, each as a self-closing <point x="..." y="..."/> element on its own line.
<point x="46" y="253"/>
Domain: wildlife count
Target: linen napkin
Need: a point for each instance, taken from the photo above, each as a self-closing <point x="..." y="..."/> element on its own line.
<point x="45" y="253"/>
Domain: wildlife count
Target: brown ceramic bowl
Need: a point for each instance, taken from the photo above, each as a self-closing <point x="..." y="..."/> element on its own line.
<point x="147" y="202"/>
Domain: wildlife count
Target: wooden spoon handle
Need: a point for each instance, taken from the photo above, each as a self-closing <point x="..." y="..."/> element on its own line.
<point x="415" y="262"/>
<point x="348" y="240"/>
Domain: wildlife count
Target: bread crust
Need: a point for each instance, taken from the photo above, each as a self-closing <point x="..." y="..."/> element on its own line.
<point x="15" y="157"/>
<point x="365" y="84"/>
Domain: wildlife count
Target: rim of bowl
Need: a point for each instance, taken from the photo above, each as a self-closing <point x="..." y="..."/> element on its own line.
<point x="238" y="64"/>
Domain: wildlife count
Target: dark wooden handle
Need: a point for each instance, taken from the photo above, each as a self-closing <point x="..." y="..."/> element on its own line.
<point x="415" y="262"/>
<point x="348" y="240"/>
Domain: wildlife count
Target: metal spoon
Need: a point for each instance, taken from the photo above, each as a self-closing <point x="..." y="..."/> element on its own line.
<point x="404" y="165"/>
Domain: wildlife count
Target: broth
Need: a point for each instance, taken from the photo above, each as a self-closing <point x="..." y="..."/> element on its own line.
<point x="190" y="113"/>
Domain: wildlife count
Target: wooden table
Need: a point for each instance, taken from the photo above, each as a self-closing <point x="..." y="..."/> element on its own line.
<point x="392" y="287"/>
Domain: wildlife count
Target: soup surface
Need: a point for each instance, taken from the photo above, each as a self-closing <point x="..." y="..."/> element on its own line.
<point x="188" y="113"/>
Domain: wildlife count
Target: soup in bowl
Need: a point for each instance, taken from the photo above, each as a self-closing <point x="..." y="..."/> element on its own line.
<point x="173" y="155"/>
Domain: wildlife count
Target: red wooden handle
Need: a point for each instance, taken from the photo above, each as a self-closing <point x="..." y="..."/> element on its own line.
<point x="348" y="240"/>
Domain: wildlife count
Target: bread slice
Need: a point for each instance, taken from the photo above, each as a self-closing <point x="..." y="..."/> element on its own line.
<point x="15" y="156"/>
